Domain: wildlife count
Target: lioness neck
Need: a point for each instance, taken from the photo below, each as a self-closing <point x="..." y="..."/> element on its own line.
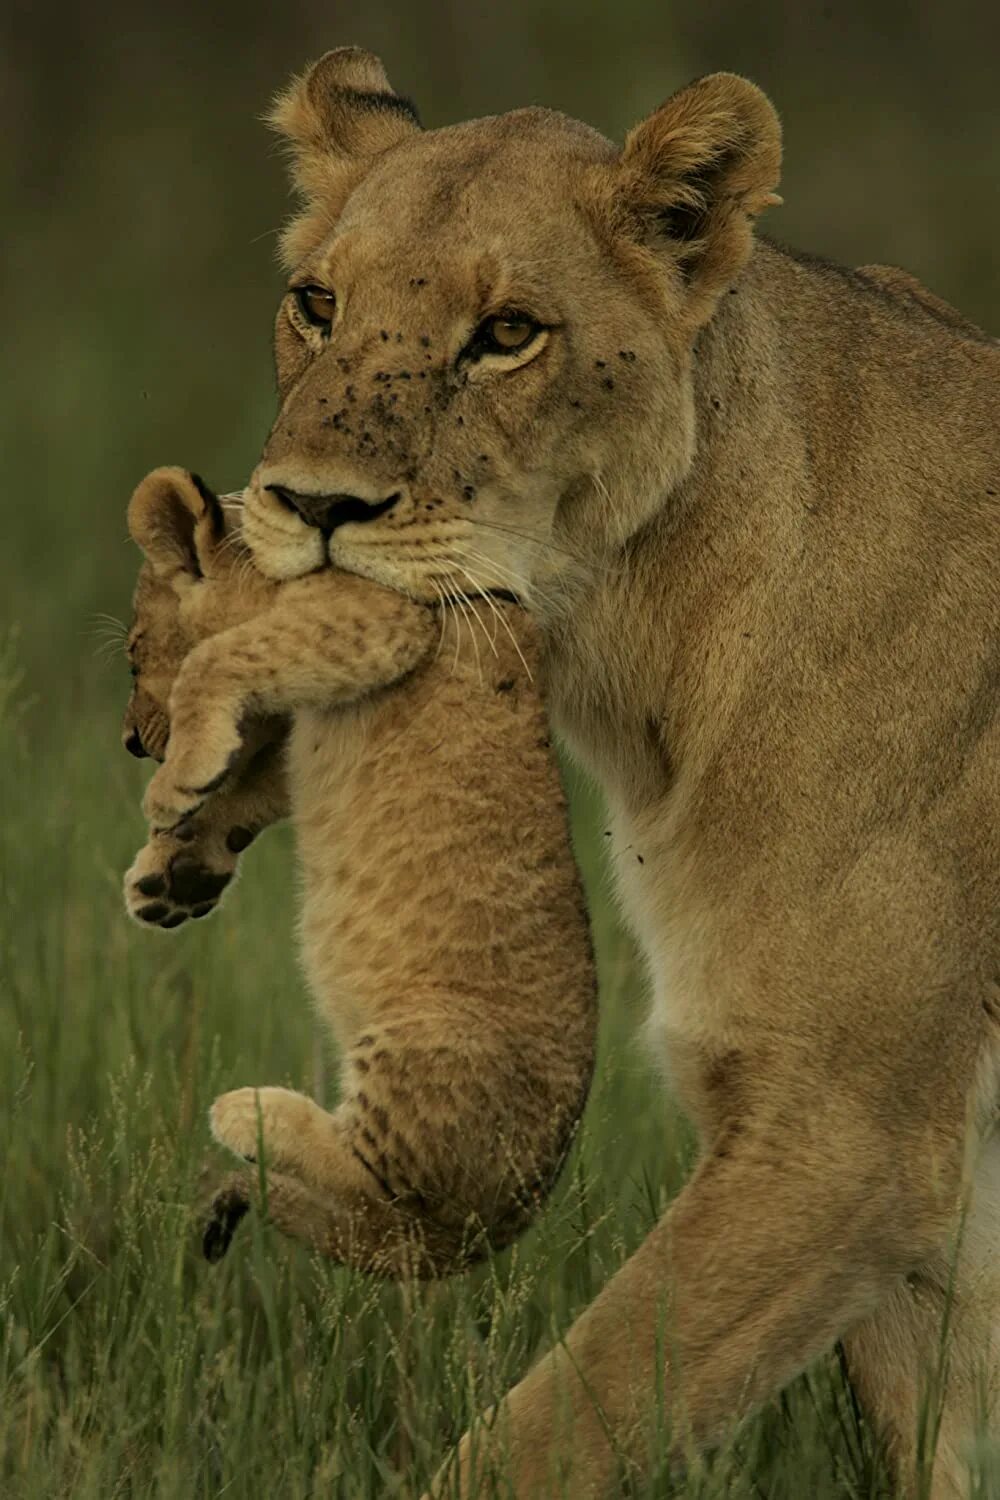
<point x="824" y="415"/>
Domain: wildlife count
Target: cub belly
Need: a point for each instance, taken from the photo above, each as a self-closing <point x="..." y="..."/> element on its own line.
<point x="389" y="887"/>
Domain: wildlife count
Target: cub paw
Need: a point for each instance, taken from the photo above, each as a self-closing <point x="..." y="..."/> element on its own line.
<point x="174" y="878"/>
<point x="280" y="1122"/>
<point x="229" y="1206"/>
<point x="282" y="1200"/>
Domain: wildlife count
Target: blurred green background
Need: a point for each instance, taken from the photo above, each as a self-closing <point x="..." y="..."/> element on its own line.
<point x="139" y="197"/>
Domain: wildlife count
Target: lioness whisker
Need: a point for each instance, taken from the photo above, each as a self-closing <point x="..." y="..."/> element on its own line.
<point x="516" y="581"/>
<point x="482" y="594"/>
<point x="449" y="580"/>
<point x="543" y="544"/>
<point x="506" y="625"/>
<point x="232" y="542"/>
<point x="444" y="620"/>
<point x="468" y="614"/>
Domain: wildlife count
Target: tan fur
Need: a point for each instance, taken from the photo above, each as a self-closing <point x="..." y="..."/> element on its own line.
<point x="906" y="286"/>
<point x="753" y="500"/>
<point x="442" y="923"/>
<point x="183" y="873"/>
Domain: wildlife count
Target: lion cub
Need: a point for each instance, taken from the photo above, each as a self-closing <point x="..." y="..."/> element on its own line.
<point x="443" y="924"/>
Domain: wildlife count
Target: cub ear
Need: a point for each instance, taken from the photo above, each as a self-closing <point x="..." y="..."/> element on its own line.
<point x="694" y="175"/>
<point x="336" y="116"/>
<point x="177" y="521"/>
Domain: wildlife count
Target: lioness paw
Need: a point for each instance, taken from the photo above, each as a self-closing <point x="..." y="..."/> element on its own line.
<point x="281" y="1123"/>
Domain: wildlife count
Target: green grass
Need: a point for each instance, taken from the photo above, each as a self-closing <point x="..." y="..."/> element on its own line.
<point x="129" y="1367"/>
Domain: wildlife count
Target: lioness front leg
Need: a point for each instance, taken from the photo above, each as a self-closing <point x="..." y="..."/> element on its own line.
<point x="926" y="1364"/>
<point x="327" y="640"/>
<point x="794" y="1227"/>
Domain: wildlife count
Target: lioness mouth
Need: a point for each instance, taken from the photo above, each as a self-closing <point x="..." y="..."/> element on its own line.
<point x="504" y="594"/>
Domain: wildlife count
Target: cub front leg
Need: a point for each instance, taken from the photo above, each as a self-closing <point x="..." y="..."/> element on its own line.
<point x="183" y="873"/>
<point x="326" y="640"/>
<point x="205" y="742"/>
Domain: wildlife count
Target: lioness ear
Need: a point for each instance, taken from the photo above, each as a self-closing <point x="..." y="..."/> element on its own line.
<point x="338" y="115"/>
<point x="695" y="174"/>
<point x="177" y="521"/>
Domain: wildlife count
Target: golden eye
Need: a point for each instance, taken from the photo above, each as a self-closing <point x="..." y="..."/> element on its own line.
<point x="505" y="334"/>
<point x="512" y="333"/>
<point x="316" y="305"/>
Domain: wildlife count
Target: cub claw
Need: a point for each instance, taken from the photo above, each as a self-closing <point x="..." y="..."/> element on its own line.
<point x="228" y="1207"/>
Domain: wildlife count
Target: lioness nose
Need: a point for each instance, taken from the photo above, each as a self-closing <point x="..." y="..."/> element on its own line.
<point x="327" y="512"/>
<point x="133" y="744"/>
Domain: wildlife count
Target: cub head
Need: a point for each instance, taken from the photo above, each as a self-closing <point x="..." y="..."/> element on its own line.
<point x="484" y="356"/>
<point x="195" y="580"/>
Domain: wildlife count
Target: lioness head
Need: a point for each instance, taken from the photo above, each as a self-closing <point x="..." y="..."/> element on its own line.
<point x="194" y="581"/>
<point x="484" y="354"/>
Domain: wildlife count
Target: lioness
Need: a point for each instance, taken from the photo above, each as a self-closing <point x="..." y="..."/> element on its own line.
<point x="752" y="499"/>
<point x="443" y="925"/>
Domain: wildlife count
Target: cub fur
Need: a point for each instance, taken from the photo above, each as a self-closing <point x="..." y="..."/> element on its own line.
<point x="183" y="872"/>
<point x="443" y="925"/>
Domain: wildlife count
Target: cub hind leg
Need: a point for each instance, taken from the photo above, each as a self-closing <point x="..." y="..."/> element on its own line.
<point x="323" y="1185"/>
<point x="439" y="1148"/>
<point x="351" y="1227"/>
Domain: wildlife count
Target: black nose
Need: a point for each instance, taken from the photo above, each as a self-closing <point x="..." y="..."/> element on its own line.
<point x="134" y="746"/>
<point x="327" y="512"/>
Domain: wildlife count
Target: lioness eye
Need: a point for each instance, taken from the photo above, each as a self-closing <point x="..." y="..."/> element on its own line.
<point x="505" y="334"/>
<point x="316" y="305"/>
<point x="511" y="333"/>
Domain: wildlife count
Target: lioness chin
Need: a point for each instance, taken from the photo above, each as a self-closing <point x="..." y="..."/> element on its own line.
<point x="753" y="501"/>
